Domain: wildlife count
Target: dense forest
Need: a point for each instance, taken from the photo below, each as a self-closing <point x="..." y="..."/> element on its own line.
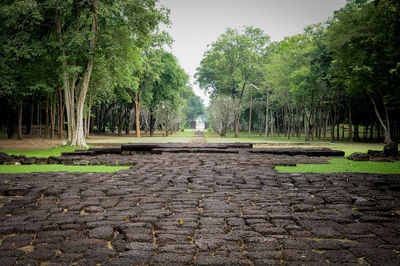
<point x="72" y="68"/>
<point x="342" y="75"/>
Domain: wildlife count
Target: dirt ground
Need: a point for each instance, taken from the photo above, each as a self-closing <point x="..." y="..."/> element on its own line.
<point x="36" y="142"/>
<point x="29" y="143"/>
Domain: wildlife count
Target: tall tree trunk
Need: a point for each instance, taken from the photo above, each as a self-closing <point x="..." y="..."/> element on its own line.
<point x="76" y="135"/>
<point x="343" y="131"/>
<point x="120" y="121"/>
<point x="298" y="123"/>
<point x="88" y="120"/>
<point x="68" y="93"/>
<point x="356" y="132"/>
<point x="20" y="121"/>
<point x="38" y="119"/>
<point x="350" y="125"/>
<point x="53" y="118"/>
<point x="259" y="123"/>
<point x="30" y="123"/>
<point x="91" y="125"/>
<point x="338" y="131"/>
<point x="152" y="123"/>
<point x="266" y="116"/>
<point x="137" y="100"/>
<point x="386" y="126"/>
<point x="251" y="105"/>
<point x="46" y="119"/>
<point x="273" y="131"/>
<point x="60" y="114"/>
<point x="236" y="125"/>
<point x="128" y="120"/>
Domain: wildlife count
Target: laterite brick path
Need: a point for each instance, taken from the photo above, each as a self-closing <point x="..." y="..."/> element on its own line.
<point x="235" y="210"/>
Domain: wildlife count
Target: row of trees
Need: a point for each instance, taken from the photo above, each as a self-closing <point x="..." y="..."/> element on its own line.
<point x="343" y="71"/>
<point x="70" y="64"/>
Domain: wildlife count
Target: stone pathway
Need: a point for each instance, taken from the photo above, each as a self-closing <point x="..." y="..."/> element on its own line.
<point x="199" y="138"/>
<point x="200" y="209"/>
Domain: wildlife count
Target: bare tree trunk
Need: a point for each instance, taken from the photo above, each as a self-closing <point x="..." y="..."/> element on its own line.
<point x="60" y="115"/>
<point x="39" y="122"/>
<point x="350" y="125"/>
<point x="46" y="119"/>
<point x="152" y="122"/>
<point x="266" y="117"/>
<point x="79" y="137"/>
<point x="137" y="100"/>
<point x="29" y="129"/>
<point x="386" y="126"/>
<point x="53" y="118"/>
<point x="20" y="121"/>
<point x="251" y="103"/>
<point x="236" y="125"/>
<point x="128" y="120"/>
<point x="298" y="123"/>
<point x="76" y="135"/>
<point x="337" y="131"/>
<point x="273" y="131"/>
<point x="87" y="124"/>
<point x="120" y="117"/>
<point x="343" y="131"/>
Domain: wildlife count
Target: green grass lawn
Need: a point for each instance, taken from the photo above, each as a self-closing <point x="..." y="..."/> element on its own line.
<point x="343" y="165"/>
<point x="56" y="151"/>
<point x="212" y="137"/>
<point x="13" y="169"/>
<point x="346" y="147"/>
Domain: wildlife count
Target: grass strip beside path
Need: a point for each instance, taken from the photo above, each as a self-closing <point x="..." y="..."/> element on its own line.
<point x="56" y="151"/>
<point x="343" y="165"/>
<point x="14" y="169"/>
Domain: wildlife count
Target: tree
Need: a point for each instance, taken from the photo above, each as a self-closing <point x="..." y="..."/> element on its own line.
<point x="222" y="112"/>
<point x="364" y="38"/>
<point x="21" y="46"/>
<point x="81" y="32"/>
<point x="167" y="84"/>
<point x="194" y="107"/>
<point x="169" y="117"/>
<point x="232" y="63"/>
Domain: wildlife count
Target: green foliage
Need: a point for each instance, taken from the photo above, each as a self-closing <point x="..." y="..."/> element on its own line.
<point x="194" y="107"/>
<point x="344" y="165"/>
<point x="166" y="79"/>
<point x="14" y="169"/>
<point x="232" y="62"/>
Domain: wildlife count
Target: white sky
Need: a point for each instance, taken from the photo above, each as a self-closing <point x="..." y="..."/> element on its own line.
<point x="197" y="23"/>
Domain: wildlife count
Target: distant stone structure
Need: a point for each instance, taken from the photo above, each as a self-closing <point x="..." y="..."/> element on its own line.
<point x="200" y="124"/>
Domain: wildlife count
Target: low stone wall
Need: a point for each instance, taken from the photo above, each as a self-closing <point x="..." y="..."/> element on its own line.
<point x="119" y="155"/>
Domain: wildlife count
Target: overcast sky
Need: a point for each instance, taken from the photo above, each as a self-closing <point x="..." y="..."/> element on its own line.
<point x="196" y="23"/>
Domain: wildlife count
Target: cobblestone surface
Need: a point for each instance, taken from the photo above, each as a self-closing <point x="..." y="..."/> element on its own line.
<point x="200" y="209"/>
